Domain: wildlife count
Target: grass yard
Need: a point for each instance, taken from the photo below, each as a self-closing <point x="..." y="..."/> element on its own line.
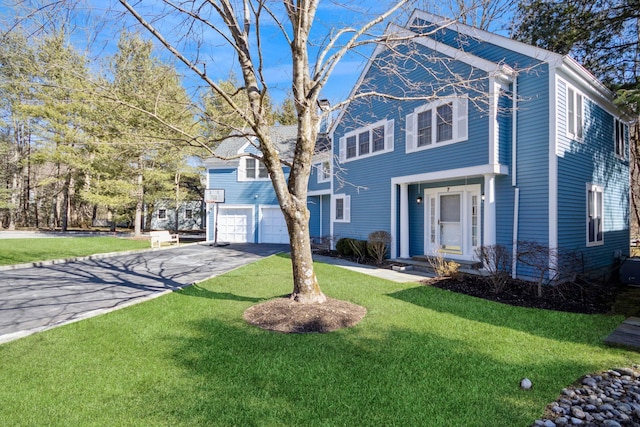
<point x="16" y="251"/>
<point x="422" y="356"/>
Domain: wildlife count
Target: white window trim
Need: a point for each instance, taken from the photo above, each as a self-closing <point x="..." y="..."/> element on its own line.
<point x="242" y="170"/>
<point x="620" y="130"/>
<point x="320" y="172"/>
<point x="460" y="106"/>
<point x="346" y="208"/>
<point x="388" y="141"/>
<point x="572" y="132"/>
<point x="595" y="189"/>
<point x="166" y="214"/>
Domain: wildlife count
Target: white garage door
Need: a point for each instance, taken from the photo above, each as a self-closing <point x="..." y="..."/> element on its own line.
<point x="273" y="228"/>
<point x="234" y="225"/>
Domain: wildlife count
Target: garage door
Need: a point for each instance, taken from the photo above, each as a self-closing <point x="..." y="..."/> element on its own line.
<point x="273" y="228"/>
<point x="235" y="225"/>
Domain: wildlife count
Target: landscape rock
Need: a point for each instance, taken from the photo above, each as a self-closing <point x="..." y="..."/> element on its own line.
<point x="610" y="399"/>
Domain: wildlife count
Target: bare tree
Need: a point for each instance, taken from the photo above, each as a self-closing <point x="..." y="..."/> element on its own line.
<point x="240" y="25"/>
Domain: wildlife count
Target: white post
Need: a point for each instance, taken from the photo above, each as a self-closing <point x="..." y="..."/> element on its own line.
<point x="489" y="234"/>
<point x="404" y="220"/>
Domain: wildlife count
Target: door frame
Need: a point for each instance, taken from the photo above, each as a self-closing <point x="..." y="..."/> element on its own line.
<point x="471" y="230"/>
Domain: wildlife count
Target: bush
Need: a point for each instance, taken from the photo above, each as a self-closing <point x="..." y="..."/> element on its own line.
<point x="343" y="247"/>
<point x="378" y="245"/>
<point x="359" y="248"/>
<point x="495" y="260"/>
<point x="442" y="267"/>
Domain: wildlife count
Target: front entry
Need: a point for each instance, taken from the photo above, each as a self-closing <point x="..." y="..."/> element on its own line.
<point x="452" y="221"/>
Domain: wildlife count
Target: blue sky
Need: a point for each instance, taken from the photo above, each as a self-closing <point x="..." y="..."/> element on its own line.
<point x="97" y="24"/>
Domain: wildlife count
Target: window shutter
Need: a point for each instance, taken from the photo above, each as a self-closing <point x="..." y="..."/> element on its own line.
<point x="242" y="169"/>
<point x="410" y="139"/>
<point x="388" y="136"/>
<point x="343" y="149"/>
<point x="462" y="119"/>
<point x="347" y="209"/>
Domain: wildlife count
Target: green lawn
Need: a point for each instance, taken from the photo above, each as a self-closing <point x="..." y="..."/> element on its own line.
<point x="422" y="356"/>
<point x="16" y="251"/>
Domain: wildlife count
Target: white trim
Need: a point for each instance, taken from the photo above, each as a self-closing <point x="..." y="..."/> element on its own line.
<point x="432" y="195"/>
<point x="495" y="39"/>
<point x="451" y="173"/>
<point x="319" y="166"/>
<point x="404" y="220"/>
<point x="319" y="192"/>
<point x="346" y="208"/>
<point x="386" y="125"/>
<point x="489" y="211"/>
<point x="494" y="128"/>
<point x="552" y="219"/>
<point x="251" y="233"/>
<point x="514" y="133"/>
<point x="242" y="170"/>
<point x="572" y="132"/>
<point x="594" y="188"/>
<point x="459" y="124"/>
<point x="455" y="54"/>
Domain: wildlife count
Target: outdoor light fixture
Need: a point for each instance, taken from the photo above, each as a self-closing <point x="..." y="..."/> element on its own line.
<point x="419" y="199"/>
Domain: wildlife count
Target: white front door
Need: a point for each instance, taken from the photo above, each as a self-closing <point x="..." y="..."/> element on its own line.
<point x="452" y="221"/>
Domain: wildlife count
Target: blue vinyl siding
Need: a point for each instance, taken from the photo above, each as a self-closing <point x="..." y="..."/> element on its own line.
<point x="320" y="215"/>
<point x="532" y="169"/>
<point x="369" y="180"/>
<point x="591" y="161"/>
<point x="314" y="185"/>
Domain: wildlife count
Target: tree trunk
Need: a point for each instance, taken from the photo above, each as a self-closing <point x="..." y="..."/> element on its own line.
<point x="139" y="205"/>
<point x="65" y="202"/>
<point x="306" y="289"/>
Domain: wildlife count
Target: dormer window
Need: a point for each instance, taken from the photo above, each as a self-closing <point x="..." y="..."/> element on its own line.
<point x="252" y="169"/>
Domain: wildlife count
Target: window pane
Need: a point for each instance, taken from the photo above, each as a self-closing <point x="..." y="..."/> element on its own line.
<point x="326" y="170"/>
<point x="579" y="126"/>
<point x="444" y="122"/>
<point x="363" y="143"/>
<point x="351" y="147"/>
<point x="162" y="214"/>
<point x="262" y="171"/>
<point x="250" y="169"/>
<point x="378" y="139"/>
<point x="339" y="208"/>
<point x="571" y="112"/>
<point x="424" y="128"/>
<point x="450" y="208"/>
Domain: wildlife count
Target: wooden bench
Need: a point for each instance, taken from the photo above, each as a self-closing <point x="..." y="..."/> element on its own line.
<point x="161" y="236"/>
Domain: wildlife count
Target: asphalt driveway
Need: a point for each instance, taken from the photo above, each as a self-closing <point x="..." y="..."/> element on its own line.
<point x="38" y="298"/>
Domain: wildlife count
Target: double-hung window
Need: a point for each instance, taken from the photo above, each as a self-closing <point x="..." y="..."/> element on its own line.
<point x="575" y="114"/>
<point x="424" y="128"/>
<point x="371" y="140"/>
<point x="351" y="147"/>
<point x="162" y="214"/>
<point x="342" y="208"/>
<point x="595" y="212"/>
<point x="619" y="138"/>
<point x="252" y="169"/>
<point x="363" y="143"/>
<point x="438" y="123"/>
<point x="324" y="171"/>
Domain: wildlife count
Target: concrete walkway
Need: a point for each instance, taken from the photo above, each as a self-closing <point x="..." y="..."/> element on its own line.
<point x="35" y="298"/>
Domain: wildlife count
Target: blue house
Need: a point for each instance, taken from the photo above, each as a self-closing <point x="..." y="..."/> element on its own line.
<point x="481" y="140"/>
<point x="250" y="212"/>
<point x="487" y="141"/>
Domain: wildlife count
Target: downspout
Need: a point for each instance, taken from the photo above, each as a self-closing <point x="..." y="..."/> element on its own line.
<point x="514" y="181"/>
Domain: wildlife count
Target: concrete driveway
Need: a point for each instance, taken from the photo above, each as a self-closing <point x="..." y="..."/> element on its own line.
<point x="38" y="298"/>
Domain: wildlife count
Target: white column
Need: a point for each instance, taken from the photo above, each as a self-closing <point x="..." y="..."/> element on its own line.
<point x="404" y="220"/>
<point x="489" y="230"/>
